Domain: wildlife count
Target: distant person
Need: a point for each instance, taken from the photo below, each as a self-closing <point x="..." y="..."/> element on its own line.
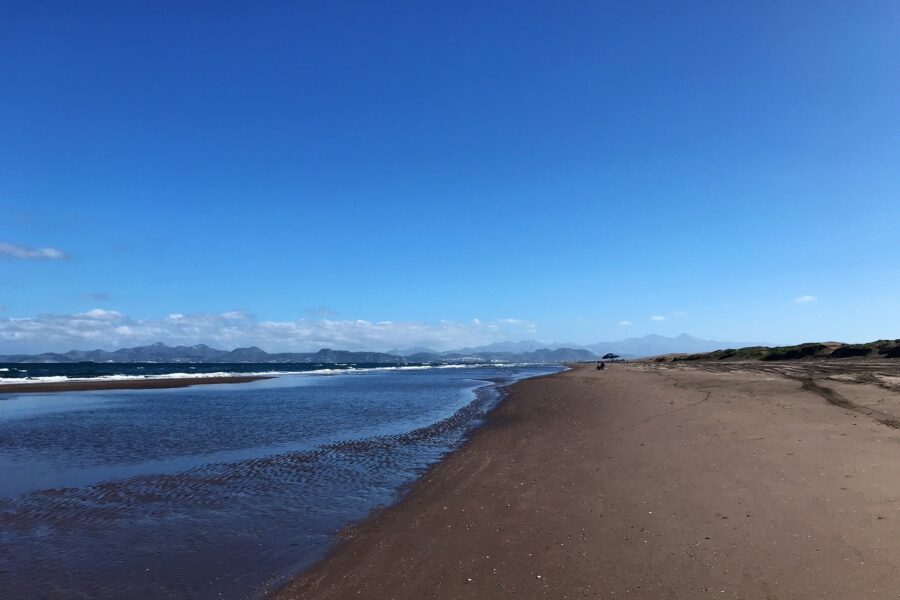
<point x="600" y="365"/>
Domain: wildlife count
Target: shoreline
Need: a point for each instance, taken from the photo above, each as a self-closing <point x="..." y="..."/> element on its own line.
<point x="287" y="588"/>
<point x="277" y="585"/>
<point x="124" y="384"/>
<point x="653" y="481"/>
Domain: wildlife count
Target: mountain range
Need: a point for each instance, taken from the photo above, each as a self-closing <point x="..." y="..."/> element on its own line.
<point x="201" y="353"/>
<point x="524" y="351"/>
<point x="638" y="347"/>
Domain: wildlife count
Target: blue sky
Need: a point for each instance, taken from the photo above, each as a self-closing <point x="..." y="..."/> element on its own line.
<point x="365" y="175"/>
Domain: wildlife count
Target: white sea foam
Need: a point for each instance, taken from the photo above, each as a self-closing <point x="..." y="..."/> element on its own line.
<point x="65" y="379"/>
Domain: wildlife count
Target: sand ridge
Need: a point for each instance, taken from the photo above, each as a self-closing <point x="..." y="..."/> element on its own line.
<point x="124" y="384"/>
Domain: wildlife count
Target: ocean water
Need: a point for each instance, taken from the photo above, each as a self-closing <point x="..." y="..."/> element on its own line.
<point x="81" y="371"/>
<point x="218" y="491"/>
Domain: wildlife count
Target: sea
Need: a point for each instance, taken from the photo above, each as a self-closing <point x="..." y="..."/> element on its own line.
<point x="215" y="491"/>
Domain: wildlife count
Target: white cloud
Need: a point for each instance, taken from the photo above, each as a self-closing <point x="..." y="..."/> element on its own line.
<point x="624" y="323"/>
<point x="99" y="313"/>
<point x="111" y="329"/>
<point x="658" y="318"/>
<point x="16" y="251"/>
<point x="234" y="314"/>
<point x="804" y="299"/>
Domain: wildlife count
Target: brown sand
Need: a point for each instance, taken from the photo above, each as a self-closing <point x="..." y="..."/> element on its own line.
<point x="126" y="384"/>
<point x="650" y="481"/>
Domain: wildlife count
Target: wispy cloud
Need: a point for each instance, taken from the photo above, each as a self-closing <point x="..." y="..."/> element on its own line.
<point x="110" y="329"/>
<point x="233" y="315"/>
<point x="658" y="318"/>
<point x="678" y="313"/>
<point x="523" y="325"/>
<point x="624" y="323"/>
<point x="16" y="251"/>
<point x="99" y="313"/>
<point x="804" y="299"/>
<point x="322" y="312"/>
<point x="99" y="297"/>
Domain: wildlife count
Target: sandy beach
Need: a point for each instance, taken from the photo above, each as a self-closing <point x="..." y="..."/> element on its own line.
<point x="124" y="384"/>
<point x="648" y="480"/>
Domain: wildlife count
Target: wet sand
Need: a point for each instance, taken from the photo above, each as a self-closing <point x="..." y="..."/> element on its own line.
<point x="652" y="481"/>
<point x="127" y="384"/>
